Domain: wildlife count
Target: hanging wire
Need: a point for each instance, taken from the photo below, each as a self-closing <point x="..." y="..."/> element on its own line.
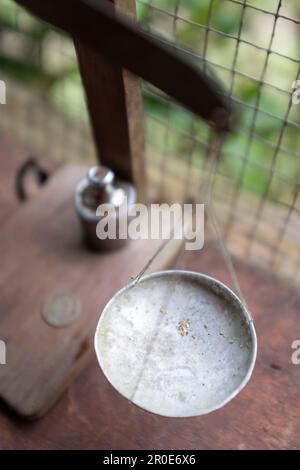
<point x="207" y="198"/>
<point x="264" y="219"/>
<point x="261" y="52"/>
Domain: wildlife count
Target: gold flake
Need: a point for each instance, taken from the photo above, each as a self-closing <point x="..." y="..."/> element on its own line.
<point x="184" y="327"/>
<point x="163" y="311"/>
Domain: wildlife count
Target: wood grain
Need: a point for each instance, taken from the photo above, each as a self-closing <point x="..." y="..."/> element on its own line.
<point x="92" y="415"/>
<point x="41" y="254"/>
<point x="115" y="106"/>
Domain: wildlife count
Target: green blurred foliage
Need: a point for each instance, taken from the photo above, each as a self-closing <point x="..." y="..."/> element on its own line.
<point x="27" y="52"/>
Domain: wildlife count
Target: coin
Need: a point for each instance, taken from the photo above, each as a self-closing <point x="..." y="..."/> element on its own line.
<point x="60" y="309"/>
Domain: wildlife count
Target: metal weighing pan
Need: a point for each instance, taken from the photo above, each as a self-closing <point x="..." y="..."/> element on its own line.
<point x="177" y="343"/>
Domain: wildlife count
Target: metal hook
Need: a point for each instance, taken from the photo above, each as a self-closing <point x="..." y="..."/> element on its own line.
<point x="29" y="166"/>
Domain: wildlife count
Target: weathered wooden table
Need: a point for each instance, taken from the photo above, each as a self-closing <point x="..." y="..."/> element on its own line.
<point x="92" y="415"/>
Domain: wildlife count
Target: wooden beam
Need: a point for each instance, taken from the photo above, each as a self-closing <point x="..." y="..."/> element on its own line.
<point x="115" y="106"/>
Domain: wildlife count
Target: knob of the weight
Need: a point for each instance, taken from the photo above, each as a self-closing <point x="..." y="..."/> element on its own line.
<point x="100" y="176"/>
<point x="99" y="187"/>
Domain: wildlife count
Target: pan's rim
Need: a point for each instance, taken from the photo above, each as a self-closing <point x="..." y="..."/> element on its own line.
<point x="208" y="280"/>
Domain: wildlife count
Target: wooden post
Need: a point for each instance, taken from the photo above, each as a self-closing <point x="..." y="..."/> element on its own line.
<point x="115" y="106"/>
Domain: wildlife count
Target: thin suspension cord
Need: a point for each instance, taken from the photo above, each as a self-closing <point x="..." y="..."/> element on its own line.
<point x="214" y="158"/>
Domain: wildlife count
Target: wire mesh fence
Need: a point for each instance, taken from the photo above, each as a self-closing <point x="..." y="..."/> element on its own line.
<point x="253" y="48"/>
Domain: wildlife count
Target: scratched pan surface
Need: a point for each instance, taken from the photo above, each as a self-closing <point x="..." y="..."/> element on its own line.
<point x="177" y="343"/>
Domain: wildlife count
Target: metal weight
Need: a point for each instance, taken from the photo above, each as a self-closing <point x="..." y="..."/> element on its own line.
<point x="99" y="187"/>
